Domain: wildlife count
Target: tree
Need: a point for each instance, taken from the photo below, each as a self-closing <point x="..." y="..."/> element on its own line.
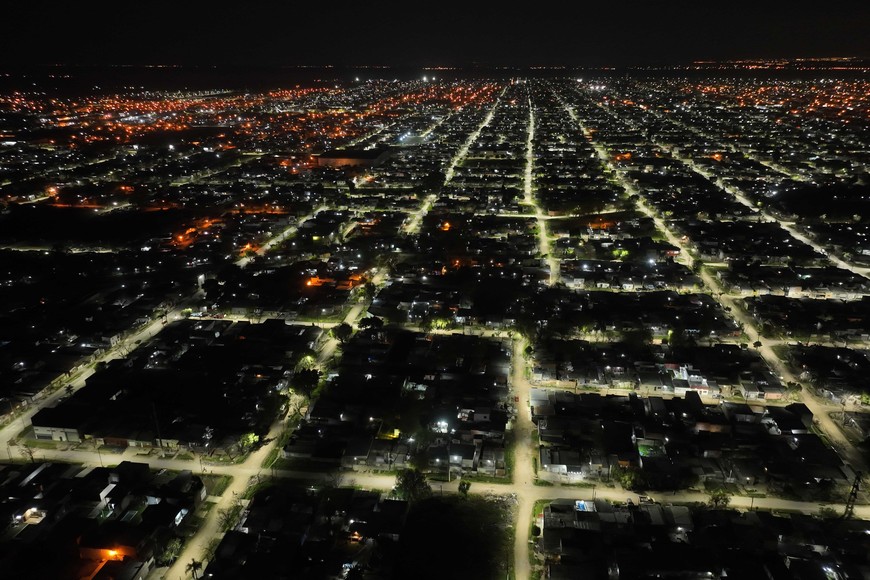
<point x="342" y="332"/>
<point x="433" y="180"/>
<point x="757" y="344"/>
<point x="172" y="550"/>
<point x="306" y="359"/>
<point x="193" y="568"/>
<point x="633" y="479"/>
<point x="305" y="381"/>
<point x="828" y="513"/>
<point x="411" y="485"/>
<point x="637" y="338"/>
<point x="370" y="291"/>
<point x="371" y="322"/>
<point x="719" y="499"/>
<point x="463" y="488"/>
<point x="248" y="440"/>
<point x="296" y="409"/>
<point x="630" y="478"/>
<point x="420" y="457"/>
<point x="27" y="451"/>
<point x="438" y="323"/>
<point x="69" y="390"/>
<point x="228" y="517"/>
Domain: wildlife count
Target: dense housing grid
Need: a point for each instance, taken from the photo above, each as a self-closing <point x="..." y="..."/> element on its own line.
<point x="279" y="332"/>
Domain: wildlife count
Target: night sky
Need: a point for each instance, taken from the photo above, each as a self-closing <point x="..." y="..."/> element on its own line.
<point x="427" y="33"/>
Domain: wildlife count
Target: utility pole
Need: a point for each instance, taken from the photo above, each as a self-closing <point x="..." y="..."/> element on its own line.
<point x="157" y="426"/>
<point x="853" y="497"/>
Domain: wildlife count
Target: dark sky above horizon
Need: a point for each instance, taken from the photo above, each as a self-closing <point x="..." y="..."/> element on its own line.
<point x="428" y="33"/>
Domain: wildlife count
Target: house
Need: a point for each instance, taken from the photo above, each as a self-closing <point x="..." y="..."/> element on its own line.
<point x="127" y="569"/>
<point x="387" y="454"/>
<point x="58" y="424"/>
<point x="463" y="455"/>
<point x="561" y="461"/>
<point x="619" y="442"/>
<point x="115" y="540"/>
<point x="491" y="460"/>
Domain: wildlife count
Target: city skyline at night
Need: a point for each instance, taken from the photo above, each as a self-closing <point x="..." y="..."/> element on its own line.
<point x="354" y="291"/>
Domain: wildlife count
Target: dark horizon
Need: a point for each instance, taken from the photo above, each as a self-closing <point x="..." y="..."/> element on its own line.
<point x="447" y="34"/>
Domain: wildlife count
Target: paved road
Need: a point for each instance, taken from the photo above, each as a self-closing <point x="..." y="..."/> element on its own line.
<point x="523" y="485"/>
<point x="529" y="199"/>
<point x="279" y="237"/>
<point x="210" y="530"/>
<point x="462" y="153"/>
<point x="524" y="454"/>
<point x="831" y="430"/>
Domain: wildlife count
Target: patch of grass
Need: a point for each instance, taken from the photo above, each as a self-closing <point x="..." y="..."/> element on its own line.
<point x="255" y="488"/>
<point x="206" y="506"/>
<point x="537" y="508"/>
<point x="194" y="522"/>
<point x="186" y="456"/>
<point x="388" y="472"/>
<point x="544" y="483"/>
<point x="510" y="456"/>
<point x="271" y="457"/>
<point x="302" y="465"/>
<point x="486" y="479"/>
<point x="211" y="549"/>
<point x="226" y="459"/>
<point x="473" y="530"/>
<point x="112" y="449"/>
<point x="216" y="484"/>
<point x="40" y="444"/>
<point x="228" y="518"/>
<point x="438" y="476"/>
